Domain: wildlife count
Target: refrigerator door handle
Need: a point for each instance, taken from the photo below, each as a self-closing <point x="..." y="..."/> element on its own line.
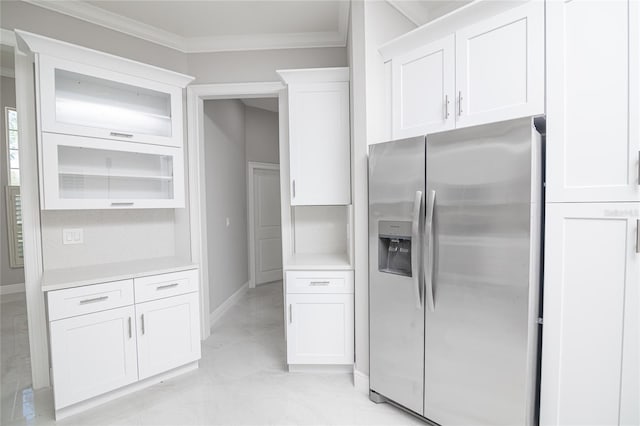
<point x="416" y="246"/>
<point x="429" y="255"/>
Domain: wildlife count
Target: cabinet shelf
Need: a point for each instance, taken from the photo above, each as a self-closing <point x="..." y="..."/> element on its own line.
<point x="116" y="176"/>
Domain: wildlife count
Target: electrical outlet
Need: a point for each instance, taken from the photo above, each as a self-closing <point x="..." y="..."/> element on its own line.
<point x="72" y="236"/>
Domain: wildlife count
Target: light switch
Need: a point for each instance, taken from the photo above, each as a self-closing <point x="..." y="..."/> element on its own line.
<point x="72" y="236"/>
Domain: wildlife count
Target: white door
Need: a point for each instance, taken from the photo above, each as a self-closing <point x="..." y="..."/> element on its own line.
<point x="590" y="352"/>
<point x="500" y="67"/>
<point x="593" y="96"/>
<point x="423" y="87"/>
<point x="320" y="328"/>
<point x="319" y="144"/>
<point x="267" y="242"/>
<point x="92" y="354"/>
<point x="168" y="333"/>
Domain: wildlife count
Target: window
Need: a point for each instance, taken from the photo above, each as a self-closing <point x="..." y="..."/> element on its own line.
<point x="14" y="207"/>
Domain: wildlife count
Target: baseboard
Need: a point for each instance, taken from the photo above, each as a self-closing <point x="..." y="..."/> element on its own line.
<point x="227" y="304"/>
<point x="360" y="381"/>
<point x="324" y="368"/>
<point x="11" y="289"/>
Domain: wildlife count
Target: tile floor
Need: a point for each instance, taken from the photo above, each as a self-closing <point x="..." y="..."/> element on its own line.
<point x="241" y="380"/>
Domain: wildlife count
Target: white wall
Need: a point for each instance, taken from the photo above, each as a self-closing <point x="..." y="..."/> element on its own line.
<point x="372" y="24"/>
<point x="109" y="236"/>
<point x="226" y="197"/>
<point x="261" y="135"/>
<point x="8" y="275"/>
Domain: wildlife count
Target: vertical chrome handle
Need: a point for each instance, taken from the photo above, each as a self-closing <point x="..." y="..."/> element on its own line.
<point x="429" y="255"/>
<point x="290" y="313"/>
<point x="638" y="167"/>
<point x="638" y="236"/>
<point x="415" y="246"/>
<point x="130" y="332"/>
<point x="142" y="323"/>
<point x="446" y="107"/>
<point x="459" y="103"/>
<point x="293" y="189"/>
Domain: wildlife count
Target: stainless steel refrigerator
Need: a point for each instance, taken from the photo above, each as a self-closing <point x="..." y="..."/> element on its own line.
<point x="454" y="254"/>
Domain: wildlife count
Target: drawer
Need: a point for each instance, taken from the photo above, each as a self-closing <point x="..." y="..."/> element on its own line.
<point x="165" y="285"/>
<point x="319" y="282"/>
<point x="90" y="298"/>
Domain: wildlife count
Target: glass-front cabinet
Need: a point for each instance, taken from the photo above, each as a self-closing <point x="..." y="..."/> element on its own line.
<point x="80" y="99"/>
<point x="91" y="173"/>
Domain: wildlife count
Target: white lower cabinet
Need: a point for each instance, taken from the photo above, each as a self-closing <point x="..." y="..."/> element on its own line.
<point x="320" y="312"/>
<point x="93" y="354"/>
<point x="168" y="333"/>
<point x="591" y="334"/>
<point x="102" y="340"/>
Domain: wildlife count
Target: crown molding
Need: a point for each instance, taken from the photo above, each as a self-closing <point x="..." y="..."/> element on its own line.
<point x="7" y="72"/>
<point x="132" y="27"/>
<point x="411" y="10"/>
<point x="7" y="37"/>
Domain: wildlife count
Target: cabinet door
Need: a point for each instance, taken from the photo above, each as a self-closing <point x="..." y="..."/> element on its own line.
<point x="423" y="86"/>
<point x="92" y="354"/>
<point x="320" y="329"/>
<point x="500" y="67"/>
<point x="168" y="334"/>
<point x="319" y="144"/>
<point x="590" y="335"/>
<point x="593" y="95"/>
<point x="90" y="173"/>
<point x="80" y="99"/>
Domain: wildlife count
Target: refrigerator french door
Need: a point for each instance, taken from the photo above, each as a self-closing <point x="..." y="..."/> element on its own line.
<point x="478" y="274"/>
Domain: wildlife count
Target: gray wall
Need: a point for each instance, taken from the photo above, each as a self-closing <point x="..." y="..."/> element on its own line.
<point x="8" y="275"/>
<point x="24" y="16"/>
<point x="261" y="135"/>
<point x="226" y="197"/>
<point x="260" y="65"/>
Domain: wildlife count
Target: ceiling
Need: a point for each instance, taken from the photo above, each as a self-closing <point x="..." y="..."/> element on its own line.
<point x="230" y="25"/>
<point x="218" y="25"/>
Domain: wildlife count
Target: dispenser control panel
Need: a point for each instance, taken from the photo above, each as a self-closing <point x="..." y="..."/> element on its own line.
<point x="394" y="247"/>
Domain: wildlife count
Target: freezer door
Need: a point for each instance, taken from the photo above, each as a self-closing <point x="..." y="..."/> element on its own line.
<point x="396" y="313"/>
<point x="481" y="275"/>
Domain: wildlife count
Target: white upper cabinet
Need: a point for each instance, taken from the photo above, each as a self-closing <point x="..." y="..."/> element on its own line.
<point x="90" y="173"/>
<point x="80" y="99"/>
<point x="319" y="136"/>
<point x="593" y="96"/>
<point x="423" y="89"/>
<point x="590" y="356"/>
<point x="481" y="64"/>
<point x="500" y="67"/>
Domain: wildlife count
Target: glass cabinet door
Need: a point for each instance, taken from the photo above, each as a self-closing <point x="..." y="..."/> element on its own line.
<point x="84" y="100"/>
<point x="86" y="173"/>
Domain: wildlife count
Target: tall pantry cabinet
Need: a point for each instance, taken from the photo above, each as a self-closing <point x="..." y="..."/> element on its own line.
<point x="590" y="350"/>
<point x="315" y="174"/>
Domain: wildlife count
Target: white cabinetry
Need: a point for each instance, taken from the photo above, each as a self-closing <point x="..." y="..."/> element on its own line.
<point x="319" y="136"/>
<point x="593" y="101"/>
<point x="320" y="317"/>
<point x="80" y="99"/>
<point x="92" y="354"/>
<point x="590" y="357"/>
<point x="110" y="130"/>
<point x="423" y="89"/>
<point x="483" y="71"/>
<point x="168" y="333"/>
<point x="89" y="173"/>
<point x="109" y="335"/>
<point x="500" y="66"/>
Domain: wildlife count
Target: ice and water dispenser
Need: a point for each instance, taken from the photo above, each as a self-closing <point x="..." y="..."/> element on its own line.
<point x="394" y="247"/>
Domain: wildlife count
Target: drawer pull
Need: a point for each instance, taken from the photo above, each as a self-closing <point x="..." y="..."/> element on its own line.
<point x="130" y="203"/>
<point x="319" y="283"/>
<point x="94" y="300"/>
<point x="121" y="135"/>
<point x="142" y="323"/>
<point x="165" y="287"/>
<point x="130" y="333"/>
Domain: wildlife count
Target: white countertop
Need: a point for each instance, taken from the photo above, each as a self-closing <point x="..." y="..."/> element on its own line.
<point x="57" y="279"/>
